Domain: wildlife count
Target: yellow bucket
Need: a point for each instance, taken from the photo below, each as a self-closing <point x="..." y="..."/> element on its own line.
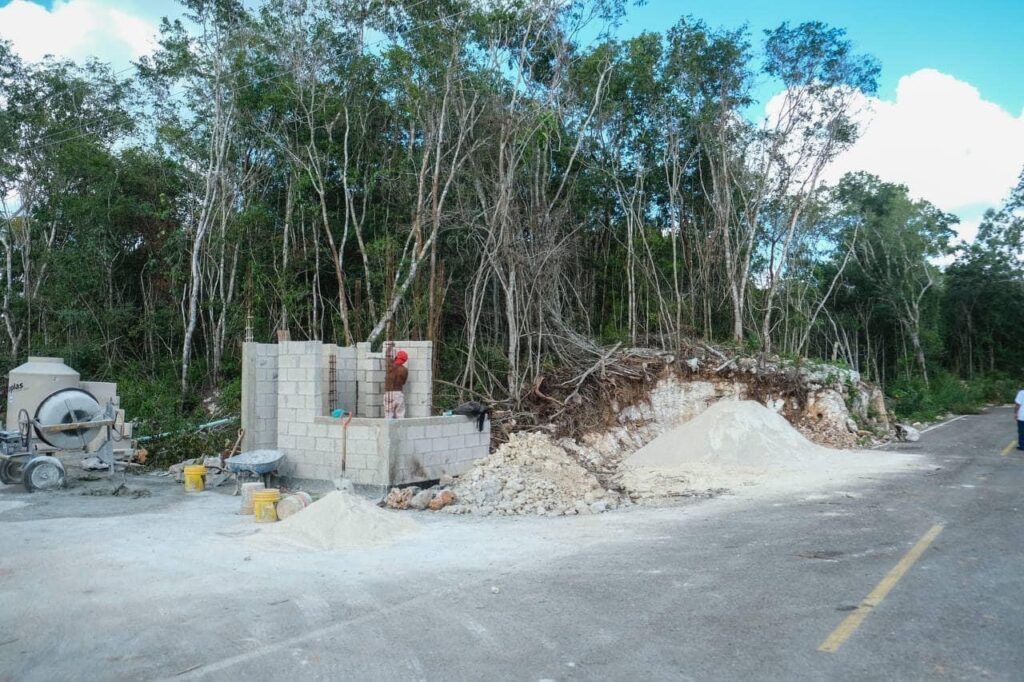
<point x="264" y="504"/>
<point x="194" y="478"/>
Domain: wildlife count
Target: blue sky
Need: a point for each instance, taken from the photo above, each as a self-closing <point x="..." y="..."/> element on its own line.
<point x="979" y="42"/>
<point x="948" y="120"/>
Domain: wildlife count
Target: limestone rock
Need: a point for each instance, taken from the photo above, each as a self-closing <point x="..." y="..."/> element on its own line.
<point x="421" y="499"/>
<point x="530" y="474"/>
<point x="907" y="433"/>
<point x="399" y="498"/>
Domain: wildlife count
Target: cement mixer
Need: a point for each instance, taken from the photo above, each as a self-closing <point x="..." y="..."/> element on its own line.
<point x="66" y="421"/>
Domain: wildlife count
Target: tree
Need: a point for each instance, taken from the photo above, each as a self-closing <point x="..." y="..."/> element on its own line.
<point x="985" y="290"/>
<point x="898" y="239"/>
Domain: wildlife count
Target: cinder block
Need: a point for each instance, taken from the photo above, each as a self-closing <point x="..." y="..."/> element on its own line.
<point x="300" y="470"/>
<point x="322" y="444"/>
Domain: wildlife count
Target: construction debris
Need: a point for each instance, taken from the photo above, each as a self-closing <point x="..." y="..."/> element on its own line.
<point x="907" y="433"/>
<point x="441" y="500"/>
<point x="413" y="497"/>
<point x="177" y="471"/>
<point x="529" y="474"/>
<point x="399" y="498"/>
<point x="421" y="499"/>
<point x="94" y="463"/>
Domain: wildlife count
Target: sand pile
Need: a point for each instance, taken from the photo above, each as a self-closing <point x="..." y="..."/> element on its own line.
<point x="339" y="520"/>
<point x="738" y="444"/>
<point x="530" y="475"/>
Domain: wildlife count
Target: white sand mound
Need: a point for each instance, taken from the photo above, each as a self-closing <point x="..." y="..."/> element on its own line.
<point x="340" y="520"/>
<point x="736" y="444"/>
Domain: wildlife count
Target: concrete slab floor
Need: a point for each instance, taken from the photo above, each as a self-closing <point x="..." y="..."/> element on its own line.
<point x="102" y="587"/>
<point x="97" y="588"/>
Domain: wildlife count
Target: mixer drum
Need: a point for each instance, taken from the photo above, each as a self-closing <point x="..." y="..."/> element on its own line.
<point x="67" y="406"/>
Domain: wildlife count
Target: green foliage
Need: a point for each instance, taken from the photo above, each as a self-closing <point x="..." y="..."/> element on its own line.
<point x="564" y="190"/>
<point x="914" y="400"/>
<point x="153" y="401"/>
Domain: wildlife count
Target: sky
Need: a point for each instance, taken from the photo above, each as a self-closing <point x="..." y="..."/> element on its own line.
<point x="948" y="119"/>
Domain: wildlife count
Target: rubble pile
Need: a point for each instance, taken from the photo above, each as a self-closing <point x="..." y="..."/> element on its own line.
<point x="530" y="474"/>
<point x="414" y="497"/>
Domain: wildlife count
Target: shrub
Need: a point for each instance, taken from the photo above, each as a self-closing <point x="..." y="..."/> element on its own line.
<point x="914" y="400"/>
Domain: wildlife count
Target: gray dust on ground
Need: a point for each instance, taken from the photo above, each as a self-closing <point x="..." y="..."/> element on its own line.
<point x="90" y="494"/>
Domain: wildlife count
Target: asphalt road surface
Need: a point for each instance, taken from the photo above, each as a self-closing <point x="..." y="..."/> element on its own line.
<point x="912" y="576"/>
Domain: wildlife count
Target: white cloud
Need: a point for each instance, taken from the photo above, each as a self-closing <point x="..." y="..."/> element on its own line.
<point x="76" y="29"/>
<point x="943" y="141"/>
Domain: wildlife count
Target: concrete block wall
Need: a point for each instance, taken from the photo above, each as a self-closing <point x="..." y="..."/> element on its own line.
<point x="418" y="389"/>
<point x="284" y="406"/>
<point x="259" y="395"/>
<point x="314" y="450"/>
<point x="301" y="385"/>
<point x="383" y="453"/>
<point x="312" y="441"/>
<point x="370" y="373"/>
<point x="425" y="449"/>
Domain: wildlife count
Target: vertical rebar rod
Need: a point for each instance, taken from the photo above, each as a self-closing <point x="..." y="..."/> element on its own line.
<point x="332" y="381"/>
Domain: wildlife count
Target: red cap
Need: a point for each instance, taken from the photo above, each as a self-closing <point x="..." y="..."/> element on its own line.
<point x="401" y="357"/>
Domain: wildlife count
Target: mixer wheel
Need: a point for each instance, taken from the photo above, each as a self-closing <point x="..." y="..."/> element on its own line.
<point x="11" y="471"/>
<point x="44" y="473"/>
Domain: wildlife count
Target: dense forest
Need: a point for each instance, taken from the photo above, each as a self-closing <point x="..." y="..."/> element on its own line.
<point x="502" y="178"/>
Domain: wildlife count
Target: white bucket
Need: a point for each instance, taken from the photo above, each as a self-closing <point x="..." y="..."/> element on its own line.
<point x="293" y="504"/>
<point x="247" y="490"/>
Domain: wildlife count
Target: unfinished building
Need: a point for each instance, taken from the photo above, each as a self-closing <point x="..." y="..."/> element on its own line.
<point x="290" y="390"/>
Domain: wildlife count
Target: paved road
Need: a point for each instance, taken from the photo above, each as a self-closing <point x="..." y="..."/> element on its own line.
<point x="724" y="589"/>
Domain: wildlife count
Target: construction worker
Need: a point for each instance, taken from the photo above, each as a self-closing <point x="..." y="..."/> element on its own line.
<point x="394" y="382"/>
<point x="1018" y="412"/>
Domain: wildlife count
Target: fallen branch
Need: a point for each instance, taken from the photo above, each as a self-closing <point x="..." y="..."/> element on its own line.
<point x="583" y="377"/>
<point x="724" y="365"/>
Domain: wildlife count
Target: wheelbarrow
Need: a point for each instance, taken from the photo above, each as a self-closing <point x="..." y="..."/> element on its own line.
<point x="255" y="464"/>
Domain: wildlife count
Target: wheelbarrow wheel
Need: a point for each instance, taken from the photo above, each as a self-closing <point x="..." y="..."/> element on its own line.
<point x="44" y="473"/>
<point x="11" y="471"/>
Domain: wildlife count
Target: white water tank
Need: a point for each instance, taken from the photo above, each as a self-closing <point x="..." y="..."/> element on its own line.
<point x="29" y="384"/>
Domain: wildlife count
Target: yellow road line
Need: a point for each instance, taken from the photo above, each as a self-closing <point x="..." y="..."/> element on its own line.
<point x="853" y="621"/>
<point x="1009" y="447"/>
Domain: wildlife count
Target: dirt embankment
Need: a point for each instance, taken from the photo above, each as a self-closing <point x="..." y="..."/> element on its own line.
<point x="831" y="405"/>
<point x="575" y="463"/>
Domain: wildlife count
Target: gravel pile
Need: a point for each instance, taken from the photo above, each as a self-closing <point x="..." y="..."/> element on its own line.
<point x="530" y="475"/>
